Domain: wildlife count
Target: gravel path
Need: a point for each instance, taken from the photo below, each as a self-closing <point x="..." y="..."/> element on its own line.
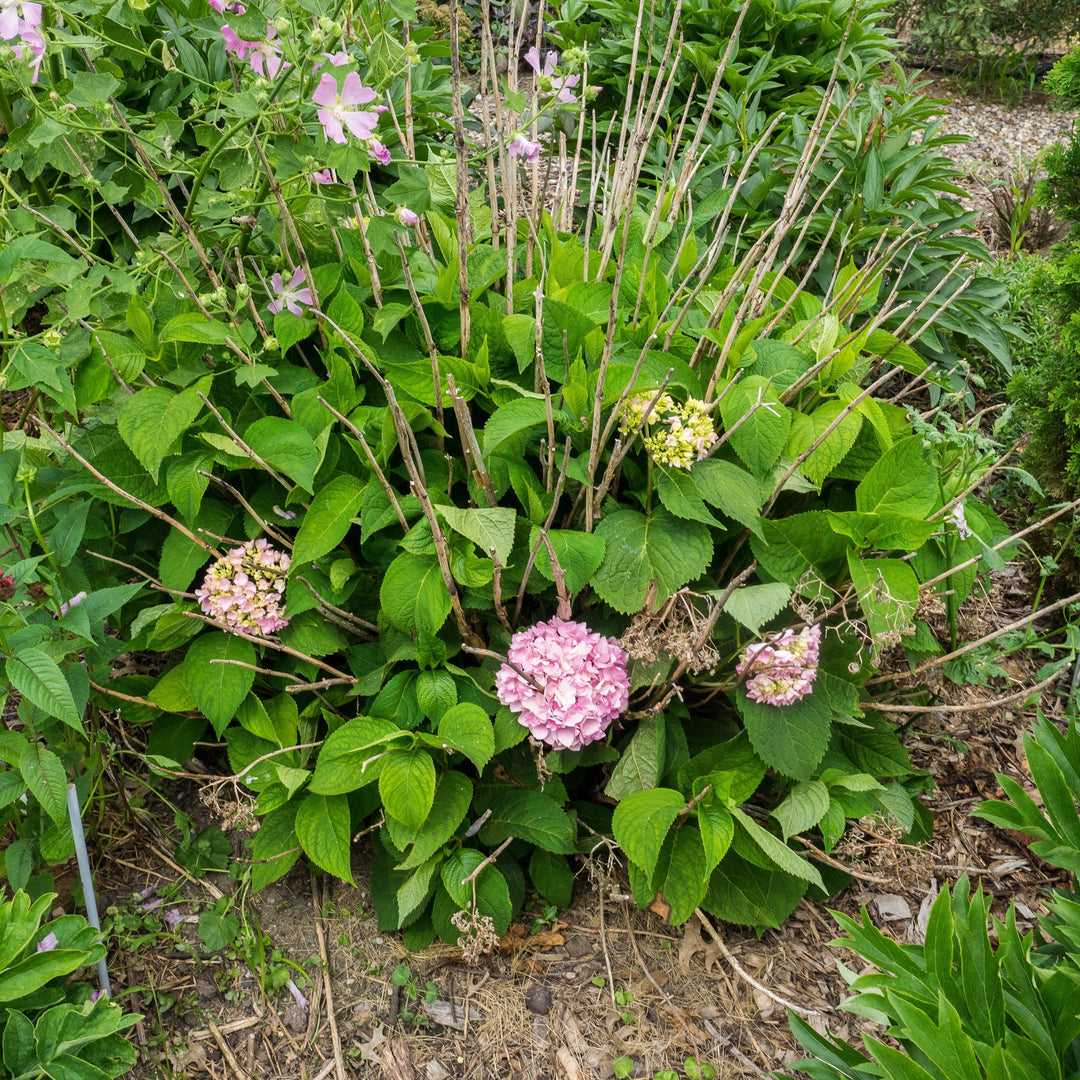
<point x="1002" y="137"/>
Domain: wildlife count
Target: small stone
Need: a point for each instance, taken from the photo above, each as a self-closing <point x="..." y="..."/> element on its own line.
<point x="538" y="1000"/>
<point x="435" y="1070"/>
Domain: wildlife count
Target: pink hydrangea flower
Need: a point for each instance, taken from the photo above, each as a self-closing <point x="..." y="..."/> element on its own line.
<point x="339" y="107"/>
<point x="18" y="18"/>
<point x="290" y="296"/>
<point x="245" y="589"/>
<point x="521" y="147"/>
<point x="566" y="683"/>
<point x="783" y="667"/>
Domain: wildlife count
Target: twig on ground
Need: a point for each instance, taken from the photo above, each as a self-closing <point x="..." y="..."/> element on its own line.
<point x="328" y="992"/>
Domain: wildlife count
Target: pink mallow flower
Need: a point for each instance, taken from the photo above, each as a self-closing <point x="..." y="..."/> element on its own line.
<point x="245" y="589"/>
<point x="566" y="683"/>
<point x="521" y="147"/>
<point x="235" y="44"/>
<point x="563" y="85"/>
<point x="265" y="58"/>
<point x="783" y="667"/>
<point x="339" y="107"/>
<point x="379" y="152"/>
<point x="290" y="296"/>
<point x="222" y="7"/>
<point x="405" y="216"/>
<point x="31" y="46"/>
<point x="956" y="516"/>
<point x="17" y="18"/>
<point x="324" y="176"/>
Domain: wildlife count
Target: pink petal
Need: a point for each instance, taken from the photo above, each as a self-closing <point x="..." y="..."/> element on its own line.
<point x="331" y="126"/>
<point x="354" y="92"/>
<point x="304" y="296"/>
<point x="361" y="124"/>
<point x="532" y="58"/>
<point x="298" y="275"/>
<point x="326" y="93"/>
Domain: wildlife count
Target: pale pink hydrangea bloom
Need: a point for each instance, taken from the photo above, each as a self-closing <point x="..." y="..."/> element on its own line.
<point x="783" y="667"/>
<point x="522" y="147"/>
<point x="245" y="589"/>
<point x="339" y="107"/>
<point x="960" y="521"/>
<point x="290" y="296"/>
<point x="579" y="683"/>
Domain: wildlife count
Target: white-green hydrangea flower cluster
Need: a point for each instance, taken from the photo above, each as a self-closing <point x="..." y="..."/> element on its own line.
<point x="678" y="435"/>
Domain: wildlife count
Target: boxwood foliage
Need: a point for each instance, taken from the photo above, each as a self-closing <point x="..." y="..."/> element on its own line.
<point x="434" y="434"/>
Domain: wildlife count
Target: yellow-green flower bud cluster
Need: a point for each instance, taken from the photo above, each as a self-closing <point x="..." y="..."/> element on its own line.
<point x="678" y="434"/>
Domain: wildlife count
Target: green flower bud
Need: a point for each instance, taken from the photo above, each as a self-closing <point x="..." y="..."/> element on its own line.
<point x="282" y="25"/>
<point x="271" y="344"/>
<point x="52" y="338"/>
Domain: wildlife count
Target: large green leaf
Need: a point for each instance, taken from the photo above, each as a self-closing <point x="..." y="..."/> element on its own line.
<point x="352" y="755"/>
<point x="751" y="896"/>
<point x="717" y="828"/>
<point x="789" y="738"/>
<point x="44" y="775"/>
<point x="681" y="497"/>
<point x="327" y="519"/>
<point x="888" y="593"/>
<point x="687" y="879"/>
<point x="642" y="761"/>
<point x="777" y="851"/>
<point x="38" y="677"/>
<point x="807" y="428"/>
<point x="754" y="405"/>
<point x="528" y="815"/>
<point x="640" y="549"/>
<point x="276" y="836"/>
<point x="218" y="688"/>
<point x="407" y="786"/>
<point x="413" y="593"/>
<point x="806" y="804"/>
<point x="467" y="729"/>
<point x="154" y="419"/>
<point x="733" y="490"/>
<point x="641" y="823"/>
<point x="492" y="894"/>
<point x="903" y="481"/>
<point x="487" y="527"/>
<point x="323" y="826"/>
<point x="286" y="446"/>
<point x="755" y="605"/>
<point x="579" y="554"/>
<point x="448" y="809"/>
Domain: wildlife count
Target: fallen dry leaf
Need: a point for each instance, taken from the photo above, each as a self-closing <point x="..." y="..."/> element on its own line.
<point x="692" y="943"/>
<point x="661" y="907"/>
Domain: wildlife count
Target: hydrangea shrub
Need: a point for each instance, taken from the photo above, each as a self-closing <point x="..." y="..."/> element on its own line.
<point x="496" y="528"/>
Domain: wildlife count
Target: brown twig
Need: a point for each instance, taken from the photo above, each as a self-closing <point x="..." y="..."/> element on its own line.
<point x="335" y="1036"/>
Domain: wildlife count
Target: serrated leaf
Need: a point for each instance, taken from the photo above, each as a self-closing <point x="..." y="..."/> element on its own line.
<point x="903" y="481"/>
<point x="641" y="763"/>
<point x="579" y="554"/>
<point x="152" y="421"/>
<point x="888" y="593"/>
<point x="764" y="423"/>
<point x="286" y="446"/>
<point x="413" y="593"/>
<point x="755" y="605"/>
<point x="44" y="775"/>
<point x="407" y="786"/>
<point x="751" y="896"/>
<point x="807" y="803"/>
<point x="679" y="494"/>
<point x="487" y="527"/>
<point x="528" y="815"/>
<point x="717" y="827"/>
<point x="352" y="756"/>
<point x="686" y="880"/>
<point x="806" y="429"/>
<point x="777" y="851"/>
<point x="218" y="688"/>
<point x="789" y="738"/>
<point x="448" y="809"/>
<point x="323" y="827"/>
<point x="328" y="519"/>
<point x="196" y="327"/>
<point x="642" y="549"/>
<point x="38" y="677"/>
<point x="492" y="894"/>
<point x="552" y="877"/>
<point x="276" y="836"/>
<point x="641" y="823"/>
<point x="465" y="727"/>
<point x="731" y="489"/>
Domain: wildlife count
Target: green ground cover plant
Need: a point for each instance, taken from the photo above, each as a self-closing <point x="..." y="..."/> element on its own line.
<point x="978" y="998"/>
<point x="475" y="504"/>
